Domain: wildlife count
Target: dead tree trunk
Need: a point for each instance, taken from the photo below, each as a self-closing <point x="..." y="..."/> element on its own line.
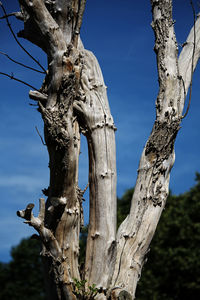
<point x="73" y="101"/>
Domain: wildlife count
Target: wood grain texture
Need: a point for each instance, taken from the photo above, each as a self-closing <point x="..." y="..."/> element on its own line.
<point x="73" y="101"/>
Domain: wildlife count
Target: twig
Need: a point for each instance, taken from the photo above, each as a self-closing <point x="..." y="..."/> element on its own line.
<point x="17" y="14"/>
<point x="40" y="136"/>
<point x="192" y="66"/>
<point x="21" y="64"/>
<point x="184" y="87"/>
<point x="13" y="34"/>
<point x="85" y="189"/>
<point x="31" y="104"/>
<point x="19" y="80"/>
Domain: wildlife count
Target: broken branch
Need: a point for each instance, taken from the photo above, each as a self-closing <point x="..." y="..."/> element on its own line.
<point x="37" y="96"/>
<point x="38" y="223"/>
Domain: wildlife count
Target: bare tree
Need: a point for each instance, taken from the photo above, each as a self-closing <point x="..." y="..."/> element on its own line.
<point x="73" y="101"/>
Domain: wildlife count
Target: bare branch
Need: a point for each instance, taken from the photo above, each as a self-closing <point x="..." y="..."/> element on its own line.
<point x="165" y="46"/>
<point x="85" y="189"/>
<point x="31" y="104"/>
<point x="37" y="96"/>
<point x="19" y="80"/>
<point x="151" y="189"/>
<point x="192" y="63"/>
<point x="38" y="223"/>
<point x="17" y="15"/>
<point x="41" y="215"/>
<point x="21" y="64"/>
<point x="53" y="37"/>
<point x="26" y="213"/>
<point x="78" y="23"/>
<point x="40" y="136"/>
<point x="188" y="59"/>
<point x="13" y="34"/>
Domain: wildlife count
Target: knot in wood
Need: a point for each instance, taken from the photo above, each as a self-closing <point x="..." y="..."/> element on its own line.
<point x="124" y="295"/>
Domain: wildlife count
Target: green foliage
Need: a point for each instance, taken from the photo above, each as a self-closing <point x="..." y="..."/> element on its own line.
<point x="80" y="291"/>
<point x="123" y="206"/>
<point x="22" y="277"/>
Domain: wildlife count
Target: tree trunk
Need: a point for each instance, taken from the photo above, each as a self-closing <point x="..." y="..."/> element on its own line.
<point x="97" y="123"/>
<point x="73" y="100"/>
<point x="152" y="185"/>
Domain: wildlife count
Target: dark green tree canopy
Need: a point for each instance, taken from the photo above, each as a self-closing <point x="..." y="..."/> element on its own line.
<point x="172" y="270"/>
<point x="22" y="277"/>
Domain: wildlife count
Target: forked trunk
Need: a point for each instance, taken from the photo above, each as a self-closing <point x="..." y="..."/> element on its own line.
<point x="73" y="101"/>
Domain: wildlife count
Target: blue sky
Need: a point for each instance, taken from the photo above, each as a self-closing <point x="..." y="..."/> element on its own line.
<point x="120" y="35"/>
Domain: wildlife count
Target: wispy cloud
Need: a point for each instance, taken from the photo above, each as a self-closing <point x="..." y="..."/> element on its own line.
<point x="28" y="183"/>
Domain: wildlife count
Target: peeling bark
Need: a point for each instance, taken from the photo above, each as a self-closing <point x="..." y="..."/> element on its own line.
<point x="62" y="218"/>
<point x="73" y="101"/>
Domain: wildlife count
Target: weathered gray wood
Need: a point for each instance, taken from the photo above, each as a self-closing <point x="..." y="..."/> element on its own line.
<point x="73" y="100"/>
<point x="98" y="126"/>
<point x="61" y="85"/>
<point x="151" y="190"/>
<point x="185" y="59"/>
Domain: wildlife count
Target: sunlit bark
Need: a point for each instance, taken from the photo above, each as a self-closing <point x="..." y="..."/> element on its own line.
<point x="73" y="101"/>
